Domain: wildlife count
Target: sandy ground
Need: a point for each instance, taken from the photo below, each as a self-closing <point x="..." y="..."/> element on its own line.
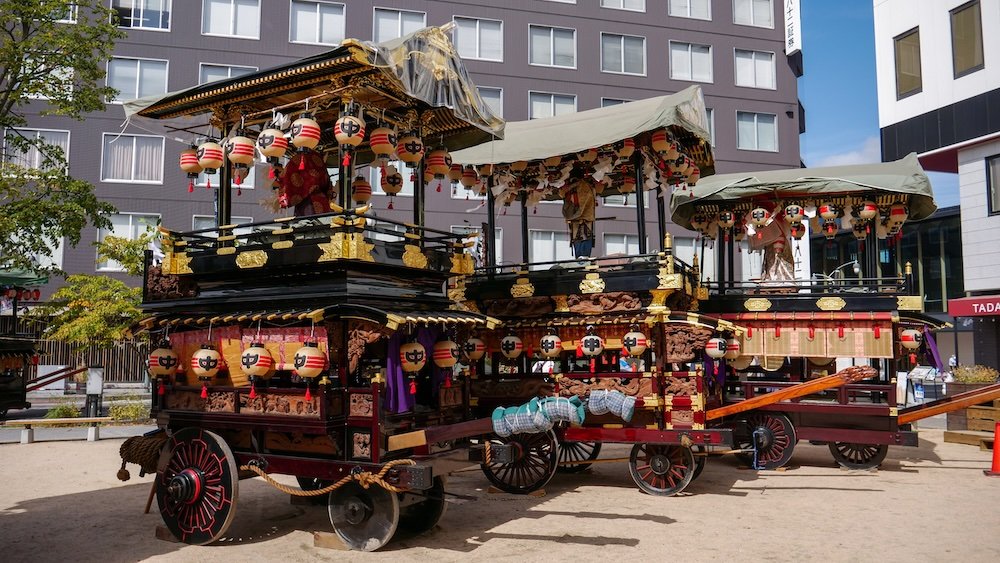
<point x="60" y="501"/>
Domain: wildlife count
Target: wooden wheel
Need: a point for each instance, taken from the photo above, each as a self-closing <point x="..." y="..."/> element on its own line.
<point x="661" y="469"/>
<point x="576" y="452"/>
<point x="536" y="457"/>
<point x="197" y="486"/>
<point x="364" y="519"/>
<point x="699" y="460"/>
<point x="420" y="512"/>
<point x="771" y="434"/>
<point x="858" y="456"/>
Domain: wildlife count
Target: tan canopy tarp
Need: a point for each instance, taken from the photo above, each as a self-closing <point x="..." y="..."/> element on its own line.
<point x="571" y="133"/>
<point x="903" y="176"/>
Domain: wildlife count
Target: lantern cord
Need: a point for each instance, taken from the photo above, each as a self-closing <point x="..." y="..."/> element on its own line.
<point x="210" y="331"/>
<point x="312" y="329"/>
<point x="257" y="338"/>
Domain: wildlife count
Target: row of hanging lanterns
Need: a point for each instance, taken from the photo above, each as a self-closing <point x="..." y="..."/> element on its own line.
<point x="22" y="294"/>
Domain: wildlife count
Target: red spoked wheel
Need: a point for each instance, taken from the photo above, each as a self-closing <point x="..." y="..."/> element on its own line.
<point x="858" y="456"/>
<point x="536" y="457"/>
<point x="197" y="486"/>
<point x="771" y="434"/>
<point x="660" y="469"/>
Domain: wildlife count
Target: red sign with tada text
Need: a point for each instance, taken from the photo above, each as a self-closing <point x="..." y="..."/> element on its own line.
<point x="984" y="306"/>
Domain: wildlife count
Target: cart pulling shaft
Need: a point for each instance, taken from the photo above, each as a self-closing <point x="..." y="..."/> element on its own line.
<point x="950" y="404"/>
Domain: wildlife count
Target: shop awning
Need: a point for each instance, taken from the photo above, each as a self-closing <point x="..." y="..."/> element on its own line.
<point x="571" y="133"/>
<point x="981" y="306"/>
<point x="903" y="176"/>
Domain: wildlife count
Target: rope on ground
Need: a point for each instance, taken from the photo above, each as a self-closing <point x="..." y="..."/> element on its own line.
<point x="364" y="478"/>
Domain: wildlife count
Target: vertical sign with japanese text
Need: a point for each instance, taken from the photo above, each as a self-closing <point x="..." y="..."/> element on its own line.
<point x="793" y="27"/>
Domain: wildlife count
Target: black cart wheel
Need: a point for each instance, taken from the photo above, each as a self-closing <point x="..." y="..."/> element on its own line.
<point x="661" y="469"/>
<point x="364" y="519"/>
<point x="197" y="486"/>
<point x="577" y="452"/>
<point x="773" y="435"/>
<point x="858" y="456"/>
<point x="420" y="511"/>
<point x="536" y="457"/>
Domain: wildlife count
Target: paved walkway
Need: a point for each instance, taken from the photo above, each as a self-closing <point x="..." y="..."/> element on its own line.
<point x="44" y="434"/>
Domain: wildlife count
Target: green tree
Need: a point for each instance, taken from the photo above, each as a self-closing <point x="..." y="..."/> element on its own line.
<point x="52" y="60"/>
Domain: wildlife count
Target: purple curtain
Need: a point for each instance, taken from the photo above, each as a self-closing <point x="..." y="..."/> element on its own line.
<point x="397" y="384"/>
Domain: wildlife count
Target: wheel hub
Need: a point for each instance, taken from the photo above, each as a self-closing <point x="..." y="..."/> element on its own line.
<point x="764" y="437"/>
<point x="356" y="511"/>
<point x="660" y="464"/>
<point x="186" y="486"/>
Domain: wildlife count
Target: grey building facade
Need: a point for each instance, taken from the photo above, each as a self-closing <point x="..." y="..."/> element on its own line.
<point x="531" y="58"/>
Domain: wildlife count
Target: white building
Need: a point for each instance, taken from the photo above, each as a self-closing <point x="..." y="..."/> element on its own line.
<point x="938" y="75"/>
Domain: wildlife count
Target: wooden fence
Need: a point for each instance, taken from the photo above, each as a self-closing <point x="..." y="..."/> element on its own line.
<point x="123" y="363"/>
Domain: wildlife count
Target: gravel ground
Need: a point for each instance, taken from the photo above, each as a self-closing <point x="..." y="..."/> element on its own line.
<point x="60" y="501"/>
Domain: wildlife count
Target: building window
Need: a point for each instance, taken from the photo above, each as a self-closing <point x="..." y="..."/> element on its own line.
<point x="479" y="39"/>
<point x="608" y="102"/>
<point x="32" y="148"/>
<point x="211" y="72"/>
<point x="317" y="22"/>
<point x="542" y="104"/>
<point x="993" y="184"/>
<point x="908" y="80"/>
<point x="142" y="14"/>
<point x="128" y="226"/>
<point x="478" y="251"/>
<point x="627" y="245"/>
<point x="201" y="222"/>
<point x="696" y="9"/>
<point x="234" y="18"/>
<point x="686" y="248"/>
<point x="67" y="14"/>
<point x="390" y="24"/>
<point x="493" y="98"/>
<point x="690" y="62"/>
<point x="966" y="39"/>
<point x="623" y="54"/>
<point x="137" y="78"/>
<point x="758" y="13"/>
<point x="756" y="131"/>
<point x="626" y="200"/>
<point x="61" y="83"/>
<point x="710" y="113"/>
<point x="632" y="5"/>
<point x="549" y="246"/>
<point x="552" y="46"/>
<point x="375" y="178"/>
<point x="755" y="69"/>
<point x="132" y="158"/>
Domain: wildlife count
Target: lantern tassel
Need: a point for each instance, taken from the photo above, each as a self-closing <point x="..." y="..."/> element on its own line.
<point x="593" y="365"/>
<point x="191" y="186"/>
<point x="253" y="391"/>
<point x="309" y="396"/>
<point x="913" y="358"/>
<point x="204" y="390"/>
<point x="347" y="159"/>
<point x="447" y="382"/>
<point x="390" y="204"/>
<point x="438" y="190"/>
<point x="208" y="183"/>
<point x="270" y="173"/>
<point x="239" y="191"/>
<point x="161" y="390"/>
<point x="302" y="161"/>
<point x="413" y="387"/>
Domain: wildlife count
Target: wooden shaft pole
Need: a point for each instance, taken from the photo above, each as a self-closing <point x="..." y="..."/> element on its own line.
<point x="950" y="404"/>
<point x="849" y="375"/>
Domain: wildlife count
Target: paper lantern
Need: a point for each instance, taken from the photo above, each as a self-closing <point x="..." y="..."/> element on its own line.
<point x="438" y="162"/>
<point x="591" y="344"/>
<point x="898" y="214"/>
<point x="867" y="210"/>
<point x="589" y="155"/>
<point x="624" y="148"/>
<point x="551" y="345"/>
<point x="163" y="361"/>
<point x="699" y="222"/>
<point x="256" y="361"/>
<point x="715" y="348"/>
<point x="727" y="219"/>
<point x="794" y="213"/>
<point x="206" y="362"/>
<point x="733" y="349"/>
<point x="830" y="229"/>
<point x="511" y="346"/>
<point x="759" y="217"/>
<point x="189" y="164"/>
<point x="469" y="177"/>
<point x="693" y="173"/>
<point x="797" y="230"/>
<point x="240" y="152"/>
<point x="445" y="354"/>
<point x="383" y="143"/>
<point x="860" y="231"/>
<point x="272" y="144"/>
<point x="210" y="157"/>
<point x="349" y="130"/>
<point x="361" y="190"/>
<point x="391" y="180"/>
<point x="309" y="361"/>
<point x="305" y="132"/>
<point x="739" y="231"/>
<point x="911" y="339"/>
<point x="661" y="142"/>
<point x="519" y="166"/>
<point x="552" y="163"/>
<point x="455" y="173"/>
<point x="410" y="149"/>
<point x="628" y="184"/>
<point x="474" y="349"/>
<point x="634" y="342"/>
<point x="827" y="211"/>
<point x="412" y="356"/>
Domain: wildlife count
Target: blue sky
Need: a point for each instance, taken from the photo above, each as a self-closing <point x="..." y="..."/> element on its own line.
<point x="838" y="90"/>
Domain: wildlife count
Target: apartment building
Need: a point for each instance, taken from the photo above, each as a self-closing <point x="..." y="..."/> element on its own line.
<point x="938" y="76"/>
<point x="530" y="59"/>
